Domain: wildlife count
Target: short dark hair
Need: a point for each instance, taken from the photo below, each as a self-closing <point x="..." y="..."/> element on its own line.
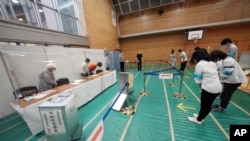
<point x="200" y="54"/>
<point x="87" y="60"/>
<point x="225" y="41"/>
<point x="196" y="48"/>
<point x="217" y="55"/>
<point x="179" y="50"/>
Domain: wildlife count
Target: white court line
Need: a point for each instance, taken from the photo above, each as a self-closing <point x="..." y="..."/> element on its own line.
<point x="11" y="127"/>
<point x="211" y="115"/>
<point x="84" y="127"/>
<point x="131" y="117"/>
<point x="169" y="112"/>
<point x="239" y="107"/>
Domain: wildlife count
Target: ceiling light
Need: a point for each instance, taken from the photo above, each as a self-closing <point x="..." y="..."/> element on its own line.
<point x="15" y="1"/>
<point x="40" y="10"/>
<point x="20" y="19"/>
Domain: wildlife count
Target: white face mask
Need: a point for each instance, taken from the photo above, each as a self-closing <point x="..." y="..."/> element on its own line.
<point x="224" y="46"/>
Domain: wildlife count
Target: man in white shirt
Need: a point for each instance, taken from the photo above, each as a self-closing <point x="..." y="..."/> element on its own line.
<point x="232" y="49"/>
<point x="85" y="69"/>
<point x="183" y="56"/>
<point x="107" y="61"/>
<point x="121" y="58"/>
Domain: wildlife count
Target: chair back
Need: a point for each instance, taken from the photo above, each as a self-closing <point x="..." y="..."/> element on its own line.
<point x="62" y="81"/>
<point x="25" y="91"/>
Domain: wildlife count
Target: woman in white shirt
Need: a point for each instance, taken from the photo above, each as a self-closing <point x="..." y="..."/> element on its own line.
<point x="206" y="75"/>
<point x="172" y="58"/>
<point x="231" y="75"/>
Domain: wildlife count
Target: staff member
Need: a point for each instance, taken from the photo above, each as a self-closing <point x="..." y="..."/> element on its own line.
<point x="183" y="56"/>
<point x="47" y="78"/>
<point x="107" y="61"/>
<point x="231" y="74"/>
<point x="232" y="49"/>
<point x="139" y="56"/>
<point x="206" y="75"/>
<point x="85" y="70"/>
<point x="121" y="58"/>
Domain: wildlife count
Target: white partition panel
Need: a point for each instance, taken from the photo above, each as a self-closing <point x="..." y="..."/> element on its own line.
<point x="25" y="64"/>
<point x="64" y="59"/>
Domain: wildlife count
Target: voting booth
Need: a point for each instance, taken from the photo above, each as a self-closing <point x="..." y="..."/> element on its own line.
<point x="60" y="118"/>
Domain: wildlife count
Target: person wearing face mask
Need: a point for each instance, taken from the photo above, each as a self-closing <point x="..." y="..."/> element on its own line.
<point x="47" y="78"/>
<point x="232" y="49"/>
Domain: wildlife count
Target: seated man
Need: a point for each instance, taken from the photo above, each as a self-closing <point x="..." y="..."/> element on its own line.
<point x="85" y="68"/>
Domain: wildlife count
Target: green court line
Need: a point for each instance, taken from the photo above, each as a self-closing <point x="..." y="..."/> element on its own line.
<point x="169" y="112"/>
<point x="131" y="117"/>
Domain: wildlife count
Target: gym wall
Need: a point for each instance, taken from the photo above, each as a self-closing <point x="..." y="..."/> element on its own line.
<point x="158" y="46"/>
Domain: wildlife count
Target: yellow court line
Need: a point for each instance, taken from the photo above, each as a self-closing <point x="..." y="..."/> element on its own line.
<point x="131" y="117"/>
<point x="211" y="115"/>
<point x="169" y="112"/>
<point x="236" y="105"/>
<point x="84" y="127"/>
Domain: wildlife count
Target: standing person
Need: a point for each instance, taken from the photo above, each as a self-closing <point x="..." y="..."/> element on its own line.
<point x="121" y="58"/>
<point x="107" y="61"/>
<point x="206" y="75"/>
<point x="139" y="56"/>
<point x="232" y="49"/>
<point x="85" y="69"/>
<point x="183" y="56"/>
<point x="231" y="75"/>
<point x="172" y="58"/>
<point x="47" y="78"/>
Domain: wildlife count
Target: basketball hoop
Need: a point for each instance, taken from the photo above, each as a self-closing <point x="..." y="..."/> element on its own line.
<point x="195" y="40"/>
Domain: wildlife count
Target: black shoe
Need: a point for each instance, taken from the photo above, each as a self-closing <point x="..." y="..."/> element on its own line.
<point x="215" y="106"/>
<point x="219" y="109"/>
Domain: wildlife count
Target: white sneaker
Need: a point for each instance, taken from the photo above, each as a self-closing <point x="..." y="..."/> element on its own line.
<point x="193" y="119"/>
<point x="196" y="115"/>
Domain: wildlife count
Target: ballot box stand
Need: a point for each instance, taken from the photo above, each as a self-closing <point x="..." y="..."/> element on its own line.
<point x="60" y="118"/>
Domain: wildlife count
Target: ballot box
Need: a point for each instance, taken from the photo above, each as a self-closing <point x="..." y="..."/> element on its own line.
<point x="59" y="117"/>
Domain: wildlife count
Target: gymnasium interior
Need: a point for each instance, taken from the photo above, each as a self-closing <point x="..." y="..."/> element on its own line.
<point x="111" y="105"/>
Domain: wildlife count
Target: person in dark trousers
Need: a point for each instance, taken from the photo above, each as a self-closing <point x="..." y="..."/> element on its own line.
<point x="121" y="58"/>
<point x="183" y="56"/>
<point x="139" y="57"/>
<point x="231" y="75"/>
<point x="206" y="75"/>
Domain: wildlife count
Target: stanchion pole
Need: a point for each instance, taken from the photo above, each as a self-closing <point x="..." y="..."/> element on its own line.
<point x="172" y="83"/>
<point x="180" y="94"/>
<point x="182" y="74"/>
<point x="144" y="93"/>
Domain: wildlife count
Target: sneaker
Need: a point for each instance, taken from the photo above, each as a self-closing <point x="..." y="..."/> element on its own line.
<point x="218" y="109"/>
<point x="193" y="119"/>
<point x="196" y="115"/>
<point x="214" y="106"/>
